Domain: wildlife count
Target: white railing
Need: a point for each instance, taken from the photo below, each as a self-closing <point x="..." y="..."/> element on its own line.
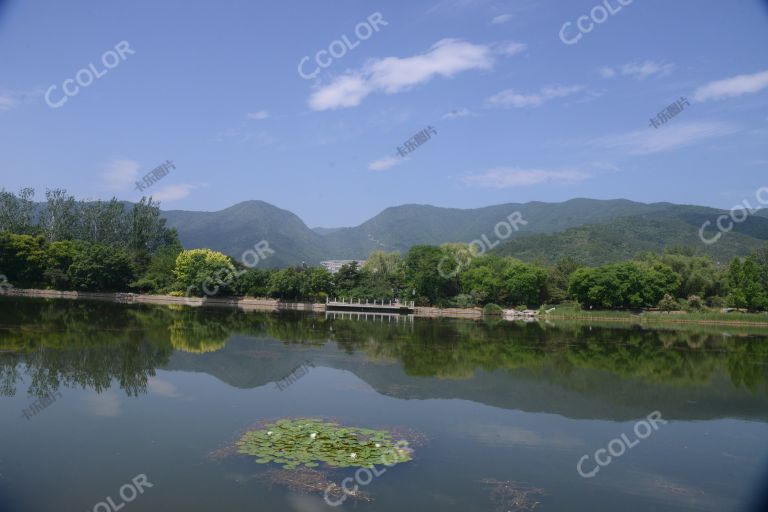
<point x="368" y="303"/>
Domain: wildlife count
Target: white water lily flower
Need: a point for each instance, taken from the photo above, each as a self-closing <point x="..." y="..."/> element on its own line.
<point x="378" y="445"/>
<point x="313" y="435"/>
<point x="353" y="455"/>
<point x="269" y="433"/>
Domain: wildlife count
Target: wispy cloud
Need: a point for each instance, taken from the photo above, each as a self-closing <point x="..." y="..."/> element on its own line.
<point x="638" y="70"/>
<point x="457" y="113"/>
<point x="13" y="99"/>
<point x="673" y="136"/>
<point x="453" y="7"/>
<point x="509" y="48"/>
<point x="162" y="387"/>
<point x="176" y="192"/>
<point x="501" y="18"/>
<point x="241" y="134"/>
<point x="104" y="404"/>
<point x="732" y="87"/>
<point x="258" y="115"/>
<point x="511" y="98"/>
<point x="120" y="175"/>
<point x="607" y="72"/>
<point x="7" y="101"/>
<point x="384" y="164"/>
<point x="391" y="75"/>
<point x="506" y="177"/>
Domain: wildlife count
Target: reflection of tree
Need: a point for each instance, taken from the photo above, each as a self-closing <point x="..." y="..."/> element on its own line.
<point x="190" y="333"/>
<point x="79" y="344"/>
<point x="90" y="344"/>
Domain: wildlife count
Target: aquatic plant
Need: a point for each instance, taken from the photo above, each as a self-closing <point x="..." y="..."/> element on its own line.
<point x="310" y="442"/>
<point x="512" y="496"/>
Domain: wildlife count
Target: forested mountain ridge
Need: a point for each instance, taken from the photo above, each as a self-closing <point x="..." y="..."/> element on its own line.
<point x="593" y="231"/>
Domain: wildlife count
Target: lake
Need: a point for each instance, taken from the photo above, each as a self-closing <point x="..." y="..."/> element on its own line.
<point x="145" y="403"/>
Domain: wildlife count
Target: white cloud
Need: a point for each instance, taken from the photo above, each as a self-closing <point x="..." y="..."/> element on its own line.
<point x="392" y="75"/>
<point x="642" y="70"/>
<point x="457" y="113"/>
<point x="648" y="141"/>
<point x="454" y="7"/>
<point x="510" y="98"/>
<point x="120" y="175"/>
<point x="241" y="134"/>
<point x="175" y="192"/>
<point x="7" y="102"/>
<point x="505" y="177"/>
<point x="163" y="388"/>
<point x="105" y="404"/>
<point x="501" y="18"/>
<point x="509" y="48"/>
<point x="258" y="115"/>
<point x="732" y="87"/>
<point x="384" y="164"/>
<point x="638" y="70"/>
<point x="607" y="72"/>
<point x="345" y="91"/>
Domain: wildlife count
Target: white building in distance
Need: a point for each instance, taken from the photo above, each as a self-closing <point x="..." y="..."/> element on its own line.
<point x="334" y="266"/>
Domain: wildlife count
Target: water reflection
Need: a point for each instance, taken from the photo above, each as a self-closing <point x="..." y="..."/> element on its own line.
<point x="608" y="371"/>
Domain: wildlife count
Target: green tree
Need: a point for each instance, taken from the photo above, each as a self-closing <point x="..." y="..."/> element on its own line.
<point x="558" y="277"/>
<point x="59" y="257"/>
<point x="16" y="212"/>
<point x="159" y="274"/>
<point x="524" y="284"/>
<point x="58" y="220"/>
<point x="204" y="272"/>
<point x="285" y="284"/>
<point x="423" y="279"/>
<point x="97" y="267"/>
<point x="22" y="259"/>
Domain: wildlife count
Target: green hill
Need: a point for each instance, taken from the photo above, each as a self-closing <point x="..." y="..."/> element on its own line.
<point x="626" y="237"/>
<point x="594" y="231"/>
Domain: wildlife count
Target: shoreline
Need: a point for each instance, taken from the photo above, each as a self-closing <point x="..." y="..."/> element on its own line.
<point x="275" y="305"/>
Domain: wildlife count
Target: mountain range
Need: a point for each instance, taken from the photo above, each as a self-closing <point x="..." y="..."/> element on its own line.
<point x="593" y="231"/>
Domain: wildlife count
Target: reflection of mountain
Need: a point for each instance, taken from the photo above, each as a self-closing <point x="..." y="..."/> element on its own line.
<point x="577" y="371"/>
<point x="581" y="393"/>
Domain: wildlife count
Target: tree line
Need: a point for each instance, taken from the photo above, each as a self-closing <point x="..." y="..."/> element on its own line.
<point x="108" y="246"/>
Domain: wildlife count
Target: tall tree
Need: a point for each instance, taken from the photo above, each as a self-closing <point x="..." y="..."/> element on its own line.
<point x="16" y="212"/>
<point x="59" y="218"/>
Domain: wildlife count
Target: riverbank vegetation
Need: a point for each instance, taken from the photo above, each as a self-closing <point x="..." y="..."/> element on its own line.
<point x="110" y="246"/>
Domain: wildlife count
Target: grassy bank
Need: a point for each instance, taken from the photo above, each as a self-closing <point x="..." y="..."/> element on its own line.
<point x="571" y="311"/>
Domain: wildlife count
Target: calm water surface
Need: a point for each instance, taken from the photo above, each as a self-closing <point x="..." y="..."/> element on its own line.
<point x="500" y="413"/>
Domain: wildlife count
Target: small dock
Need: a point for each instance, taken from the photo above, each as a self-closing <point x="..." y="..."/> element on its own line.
<point x="381" y="306"/>
<point x="386" y="318"/>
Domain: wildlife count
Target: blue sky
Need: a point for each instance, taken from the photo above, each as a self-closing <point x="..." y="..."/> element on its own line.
<point x="519" y="115"/>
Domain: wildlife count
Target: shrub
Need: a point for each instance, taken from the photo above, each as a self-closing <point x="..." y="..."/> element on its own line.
<point x="695" y="303"/>
<point x="668" y="303"/>
<point x="492" y="309"/>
